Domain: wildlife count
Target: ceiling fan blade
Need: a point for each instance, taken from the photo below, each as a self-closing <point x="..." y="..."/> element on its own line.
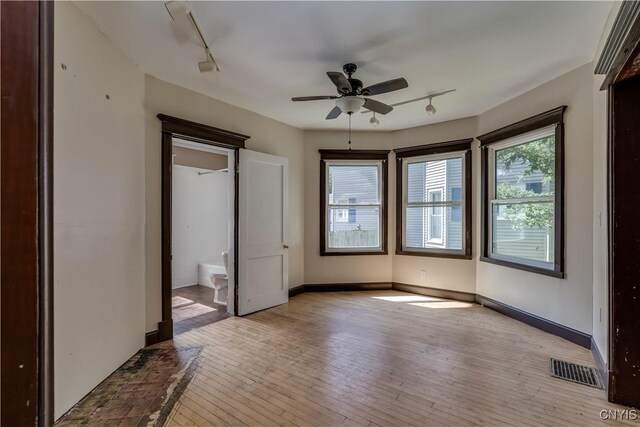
<point x="313" y="98"/>
<point x="340" y="81"/>
<point x="334" y="113"/>
<point x="377" y="106"/>
<point x="384" y="87"/>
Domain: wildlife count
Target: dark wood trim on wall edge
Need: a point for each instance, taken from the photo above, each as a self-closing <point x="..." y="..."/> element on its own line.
<point x="182" y="127"/>
<point x="538" y="121"/>
<point x="151" y="338"/>
<point x="326" y="154"/>
<point x="436" y="148"/>
<point x="570" y="334"/>
<point x="337" y="287"/>
<point x="523" y="267"/>
<point x="435" y="292"/>
<point x="296" y="290"/>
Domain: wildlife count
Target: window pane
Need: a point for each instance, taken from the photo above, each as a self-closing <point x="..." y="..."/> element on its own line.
<point x="434" y="227"/>
<point x="437" y="174"/>
<point x="362" y="232"/>
<point x="526" y="170"/>
<point x="353" y="184"/>
<point x="524" y="230"/>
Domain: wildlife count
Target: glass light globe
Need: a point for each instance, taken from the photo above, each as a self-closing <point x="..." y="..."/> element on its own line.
<point x="374" y="121"/>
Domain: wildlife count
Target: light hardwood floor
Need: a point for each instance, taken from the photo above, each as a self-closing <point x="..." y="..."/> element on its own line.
<point x="381" y="358"/>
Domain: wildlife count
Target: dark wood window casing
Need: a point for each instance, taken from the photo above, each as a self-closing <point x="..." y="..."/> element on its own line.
<point x="402" y="154"/>
<point x="355" y="155"/>
<point x="548" y="118"/>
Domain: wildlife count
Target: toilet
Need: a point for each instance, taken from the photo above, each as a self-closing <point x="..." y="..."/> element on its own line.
<point x="216" y="275"/>
<point x="221" y="282"/>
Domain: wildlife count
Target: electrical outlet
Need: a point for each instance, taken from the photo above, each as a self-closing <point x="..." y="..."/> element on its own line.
<point x="423" y="274"/>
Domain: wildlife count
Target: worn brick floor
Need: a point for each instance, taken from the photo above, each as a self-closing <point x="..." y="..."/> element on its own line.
<point x="139" y="393"/>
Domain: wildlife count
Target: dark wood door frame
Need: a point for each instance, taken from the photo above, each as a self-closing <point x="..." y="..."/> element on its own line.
<point x="624" y="234"/>
<point x="173" y="127"/>
<point x="619" y="62"/>
<point x="26" y="387"/>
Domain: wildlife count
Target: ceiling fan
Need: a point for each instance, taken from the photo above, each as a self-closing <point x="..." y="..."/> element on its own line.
<point x="352" y="95"/>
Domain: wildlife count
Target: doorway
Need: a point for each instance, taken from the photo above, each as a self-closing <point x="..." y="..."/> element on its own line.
<point x="199" y="137"/>
<point x="202" y="223"/>
<point x="258" y="261"/>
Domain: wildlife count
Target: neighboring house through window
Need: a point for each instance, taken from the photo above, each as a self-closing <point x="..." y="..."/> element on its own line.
<point x="433" y="187"/>
<point x="353" y="209"/>
<point x="522" y="169"/>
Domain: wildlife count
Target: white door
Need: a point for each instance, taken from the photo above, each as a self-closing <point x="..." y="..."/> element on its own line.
<point x="263" y="268"/>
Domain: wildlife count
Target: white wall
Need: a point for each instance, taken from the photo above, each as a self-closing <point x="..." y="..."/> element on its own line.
<point x="267" y="135"/>
<point x="199" y="221"/>
<point x="98" y="207"/>
<point x="566" y="301"/>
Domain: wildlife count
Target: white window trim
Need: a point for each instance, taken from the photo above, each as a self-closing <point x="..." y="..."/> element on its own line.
<point x="507" y="143"/>
<point x="329" y="206"/>
<point x="451" y="203"/>
<point x="432" y="205"/>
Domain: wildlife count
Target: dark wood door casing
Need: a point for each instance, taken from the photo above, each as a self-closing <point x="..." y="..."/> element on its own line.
<point x="624" y="251"/>
<point x="26" y="385"/>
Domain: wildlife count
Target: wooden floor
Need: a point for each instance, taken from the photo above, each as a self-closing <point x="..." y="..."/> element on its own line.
<point x="380" y="358"/>
<point x="193" y="307"/>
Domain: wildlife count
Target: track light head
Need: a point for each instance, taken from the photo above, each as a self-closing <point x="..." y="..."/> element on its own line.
<point x="209" y="64"/>
<point x="430" y="109"/>
<point x="178" y="9"/>
<point x="206" y="66"/>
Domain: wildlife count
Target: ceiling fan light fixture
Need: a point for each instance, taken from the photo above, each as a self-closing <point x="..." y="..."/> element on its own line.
<point x="374" y="121"/>
<point x="350" y="104"/>
<point x="430" y="109"/>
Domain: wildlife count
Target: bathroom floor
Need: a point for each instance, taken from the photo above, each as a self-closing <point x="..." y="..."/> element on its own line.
<point x="193" y="307"/>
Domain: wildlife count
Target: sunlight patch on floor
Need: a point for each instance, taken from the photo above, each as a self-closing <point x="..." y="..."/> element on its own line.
<point x="424" y="301"/>
<point x="191" y="310"/>
<point x="443" y="304"/>
<point x="178" y="301"/>
<point x="407" y="298"/>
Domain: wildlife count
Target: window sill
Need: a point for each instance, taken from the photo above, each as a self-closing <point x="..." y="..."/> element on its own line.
<point x="524" y="267"/>
<point x="337" y="253"/>
<point x="434" y="254"/>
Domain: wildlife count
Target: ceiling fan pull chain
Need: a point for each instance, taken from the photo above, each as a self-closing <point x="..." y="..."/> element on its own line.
<point x="350" y="114"/>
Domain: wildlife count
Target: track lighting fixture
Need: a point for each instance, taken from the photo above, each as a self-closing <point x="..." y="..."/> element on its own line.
<point x="184" y="23"/>
<point x="430" y="109"/>
<point x="374" y="121"/>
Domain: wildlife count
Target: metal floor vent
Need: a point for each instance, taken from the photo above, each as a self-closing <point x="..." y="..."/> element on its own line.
<point x="575" y="373"/>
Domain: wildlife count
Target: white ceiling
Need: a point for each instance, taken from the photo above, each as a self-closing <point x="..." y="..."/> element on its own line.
<point x="269" y="52"/>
